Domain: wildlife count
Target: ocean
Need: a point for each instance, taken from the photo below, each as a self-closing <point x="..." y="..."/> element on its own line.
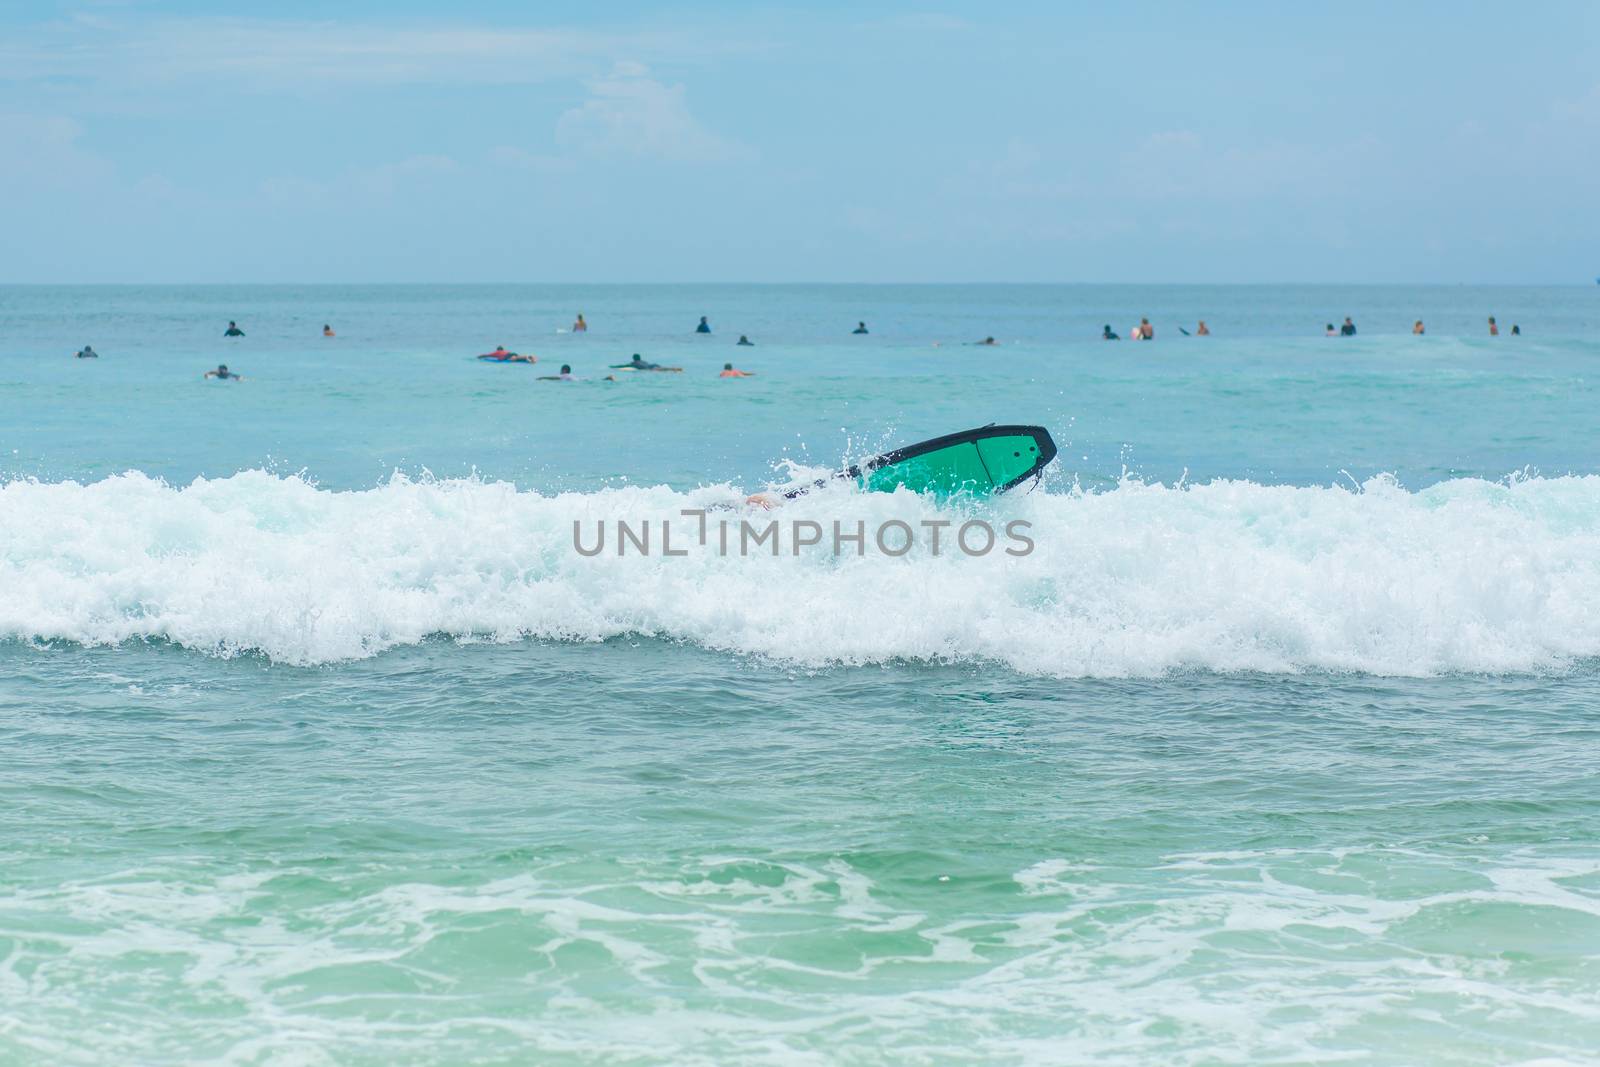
<point x="323" y="743"/>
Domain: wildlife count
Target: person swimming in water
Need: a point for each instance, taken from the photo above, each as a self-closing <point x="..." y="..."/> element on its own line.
<point x="986" y="342"/>
<point x="861" y="327"/>
<point x="564" y="376"/>
<point x="327" y="331"/>
<point x="1494" y="330"/>
<point x="1147" y="332"/>
<point x="729" y="372"/>
<point x="704" y="327"/>
<point x="1348" y="329"/>
<point x="1108" y="334"/>
<point x="745" y="341"/>
<point x="638" y="362"/>
<point x="1329" y="331"/>
<point x="1417" y="329"/>
<point x="233" y="330"/>
<point x="1202" y="330"/>
<point x="580" y="326"/>
<point x="88" y="352"/>
<point x="1516" y="331"/>
<point x="223" y="374"/>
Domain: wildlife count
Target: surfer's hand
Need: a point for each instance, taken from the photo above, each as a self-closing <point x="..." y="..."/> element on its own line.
<point x="760" y="500"/>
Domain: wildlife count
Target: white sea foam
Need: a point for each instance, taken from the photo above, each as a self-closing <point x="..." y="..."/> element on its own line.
<point x="1142" y="579"/>
<point x="1130" y="968"/>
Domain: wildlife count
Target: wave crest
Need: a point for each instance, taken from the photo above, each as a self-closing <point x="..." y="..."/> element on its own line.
<point x="1140" y="580"/>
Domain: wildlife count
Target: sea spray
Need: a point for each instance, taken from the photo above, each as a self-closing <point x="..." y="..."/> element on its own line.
<point x="1139" y="580"/>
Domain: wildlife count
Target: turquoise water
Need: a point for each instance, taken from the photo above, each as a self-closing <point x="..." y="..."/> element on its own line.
<point x="323" y="745"/>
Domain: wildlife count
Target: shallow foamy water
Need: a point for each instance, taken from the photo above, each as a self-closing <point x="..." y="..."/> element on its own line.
<point x="636" y="850"/>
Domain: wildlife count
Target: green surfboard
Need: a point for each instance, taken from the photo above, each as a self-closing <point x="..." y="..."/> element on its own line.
<point x="989" y="459"/>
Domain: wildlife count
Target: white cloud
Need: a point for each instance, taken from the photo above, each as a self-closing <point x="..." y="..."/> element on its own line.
<point x="384" y="179"/>
<point x="629" y="113"/>
<point x="24" y="136"/>
<point x="925" y="20"/>
<point x="1177" y="164"/>
<point x="367" y="184"/>
<point x="1019" y="172"/>
<point x="266" y="53"/>
<point x="1582" y="110"/>
<point x="45" y="149"/>
<point x="513" y="158"/>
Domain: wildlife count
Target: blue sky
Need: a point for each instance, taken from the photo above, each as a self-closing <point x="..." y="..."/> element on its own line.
<point x="1150" y="142"/>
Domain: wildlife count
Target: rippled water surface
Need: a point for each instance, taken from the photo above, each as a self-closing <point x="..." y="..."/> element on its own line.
<point x="321" y="745"/>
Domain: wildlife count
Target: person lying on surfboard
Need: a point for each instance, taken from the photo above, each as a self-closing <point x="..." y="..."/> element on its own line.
<point x="500" y="355"/>
<point x="638" y="362"/>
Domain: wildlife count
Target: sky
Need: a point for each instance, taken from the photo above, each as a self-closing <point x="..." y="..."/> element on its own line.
<point x="472" y="141"/>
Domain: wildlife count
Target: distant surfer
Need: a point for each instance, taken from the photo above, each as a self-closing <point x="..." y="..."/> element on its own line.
<point x="88" y="352"/>
<point x="1108" y="334"/>
<point x="1202" y="330"/>
<point x="861" y="327"/>
<point x="729" y="372"/>
<point x="564" y="376"/>
<point x="704" y="327"/>
<point x="327" y="331"/>
<point x="745" y="341"/>
<point x="1348" y="329"/>
<point x="1494" y="330"/>
<point x="580" y="326"/>
<point x="233" y="330"/>
<point x="501" y="355"/>
<point x="1516" y="331"/>
<point x="987" y="342"/>
<point x="223" y="374"/>
<point x="1417" y="329"/>
<point x="1146" y="331"/>
<point x="638" y="362"/>
<point x="1329" y="331"/>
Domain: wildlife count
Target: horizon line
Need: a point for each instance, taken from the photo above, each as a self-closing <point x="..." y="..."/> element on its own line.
<point x="777" y="284"/>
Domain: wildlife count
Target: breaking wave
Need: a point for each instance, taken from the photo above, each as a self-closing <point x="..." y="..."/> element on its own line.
<point x="1142" y="579"/>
